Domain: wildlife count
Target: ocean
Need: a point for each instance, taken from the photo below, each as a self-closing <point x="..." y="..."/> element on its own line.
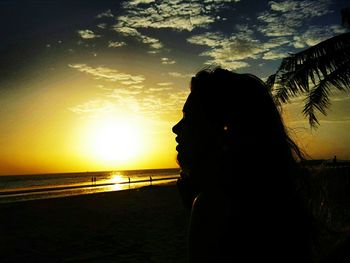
<point x="16" y="188"/>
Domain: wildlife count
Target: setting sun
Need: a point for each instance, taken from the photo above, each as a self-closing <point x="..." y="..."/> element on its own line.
<point x="101" y="91"/>
<point x="115" y="140"/>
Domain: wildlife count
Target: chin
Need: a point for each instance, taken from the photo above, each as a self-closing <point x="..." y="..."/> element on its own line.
<point x="182" y="161"/>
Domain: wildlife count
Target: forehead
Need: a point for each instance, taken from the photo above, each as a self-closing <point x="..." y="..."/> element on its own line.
<point x="191" y="104"/>
<point x="194" y="109"/>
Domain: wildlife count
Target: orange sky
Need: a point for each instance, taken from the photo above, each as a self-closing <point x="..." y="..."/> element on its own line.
<point x="98" y="86"/>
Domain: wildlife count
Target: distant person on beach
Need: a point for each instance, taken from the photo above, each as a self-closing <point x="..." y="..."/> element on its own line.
<point x="238" y="168"/>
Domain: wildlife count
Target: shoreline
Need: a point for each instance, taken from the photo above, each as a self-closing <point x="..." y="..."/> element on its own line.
<point x="88" y="185"/>
<point x="28" y="194"/>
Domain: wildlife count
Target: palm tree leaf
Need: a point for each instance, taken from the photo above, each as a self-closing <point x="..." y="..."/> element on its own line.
<point x="321" y="49"/>
<point x="270" y="82"/>
<point x="318" y="97"/>
<point x="322" y="67"/>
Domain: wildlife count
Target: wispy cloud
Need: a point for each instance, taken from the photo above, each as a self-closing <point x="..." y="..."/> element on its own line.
<point x="285" y="17"/>
<point x="137" y="2"/>
<point x="315" y="34"/>
<point x="126" y="30"/>
<point x="102" y="25"/>
<point x="231" y="51"/>
<point x="93" y="106"/>
<point x="178" y="15"/>
<point x="338" y="96"/>
<point x="87" y="34"/>
<point x="107" y="13"/>
<point x="337" y="121"/>
<point x="222" y="49"/>
<point x="109" y="74"/>
<point x="137" y="87"/>
<point x="159" y="89"/>
<point x="180" y="75"/>
<point x="165" y="83"/>
<point x="116" y="44"/>
<point x="274" y="54"/>
<point x="163" y="104"/>
<point x="121" y="92"/>
<point x="167" y="61"/>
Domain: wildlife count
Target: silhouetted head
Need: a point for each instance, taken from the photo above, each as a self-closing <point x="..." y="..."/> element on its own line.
<point x="230" y="120"/>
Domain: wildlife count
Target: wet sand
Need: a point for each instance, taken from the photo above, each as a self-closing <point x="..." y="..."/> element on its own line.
<point x="143" y="225"/>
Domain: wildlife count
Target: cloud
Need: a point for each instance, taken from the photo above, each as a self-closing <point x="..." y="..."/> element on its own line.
<point x="132" y="32"/>
<point x="153" y="51"/>
<point x="274" y="54"/>
<point x="121" y="92"/>
<point x="283" y="7"/>
<point x="137" y="87"/>
<point x="87" y="34"/>
<point x="230" y="51"/>
<point x="167" y="61"/>
<point x="180" y="75"/>
<point x="102" y="25"/>
<point x="108" y="74"/>
<point x="210" y="39"/>
<point x="227" y="51"/>
<point x="178" y="15"/>
<point x="107" y="13"/>
<point x="163" y="103"/>
<point x="285" y="17"/>
<point x="165" y="83"/>
<point x="338" y="96"/>
<point x="160" y="89"/>
<point x="137" y="2"/>
<point x="338" y="121"/>
<point x="315" y="35"/>
<point x="93" y="106"/>
<point x="116" y="44"/>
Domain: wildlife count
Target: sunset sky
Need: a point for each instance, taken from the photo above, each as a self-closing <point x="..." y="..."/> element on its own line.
<point x="97" y="85"/>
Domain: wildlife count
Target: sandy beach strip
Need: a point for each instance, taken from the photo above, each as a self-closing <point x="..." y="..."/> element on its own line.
<point x="140" y="225"/>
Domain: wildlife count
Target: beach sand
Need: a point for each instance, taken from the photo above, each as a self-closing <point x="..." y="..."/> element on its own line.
<point x="143" y="225"/>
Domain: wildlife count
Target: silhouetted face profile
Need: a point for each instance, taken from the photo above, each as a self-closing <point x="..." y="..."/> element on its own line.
<point x="202" y="134"/>
<point x="193" y="134"/>
<point x="229" y="118"/>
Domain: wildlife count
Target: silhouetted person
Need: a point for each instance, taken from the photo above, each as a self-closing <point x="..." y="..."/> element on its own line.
<point x="239" y="164"/>
<point x="335" y="159"/>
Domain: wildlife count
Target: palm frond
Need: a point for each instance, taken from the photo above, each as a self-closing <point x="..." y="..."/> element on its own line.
<point x="314" y="72"/>
<point x="319" y="97"/>
<point x="270" y="82"/>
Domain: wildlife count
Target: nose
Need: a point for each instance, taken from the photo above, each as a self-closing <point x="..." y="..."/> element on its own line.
<point x="176" y="128"/>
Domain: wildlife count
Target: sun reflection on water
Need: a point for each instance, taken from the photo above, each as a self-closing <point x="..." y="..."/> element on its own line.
<point x="117" y="178"/>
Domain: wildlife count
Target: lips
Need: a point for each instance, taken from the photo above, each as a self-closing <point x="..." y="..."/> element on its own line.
<point x="178" y="143"/>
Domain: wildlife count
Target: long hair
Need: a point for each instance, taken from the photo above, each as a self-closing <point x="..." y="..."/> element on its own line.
<point x="255" y="161"/>
<point x="244" y="115"/>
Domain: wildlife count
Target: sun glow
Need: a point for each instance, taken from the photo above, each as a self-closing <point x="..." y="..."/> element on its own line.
<point x="115" y="140"/>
